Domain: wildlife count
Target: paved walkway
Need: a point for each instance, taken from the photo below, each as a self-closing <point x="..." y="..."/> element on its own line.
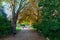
<point x="25" y="34"/>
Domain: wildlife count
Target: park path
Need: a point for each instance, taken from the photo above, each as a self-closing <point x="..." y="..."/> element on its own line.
<point x="25" y="34"/>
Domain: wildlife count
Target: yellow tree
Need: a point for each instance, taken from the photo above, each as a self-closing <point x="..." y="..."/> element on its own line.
<point x="31" y="13"/>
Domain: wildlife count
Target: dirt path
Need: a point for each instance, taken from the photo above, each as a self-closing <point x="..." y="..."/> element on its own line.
<point x="25" y="35"/>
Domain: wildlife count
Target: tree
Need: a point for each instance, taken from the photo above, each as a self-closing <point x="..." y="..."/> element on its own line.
<point x="16" y="6"/>
<point x="15" y="13"/>
<point x="31" y="13"/>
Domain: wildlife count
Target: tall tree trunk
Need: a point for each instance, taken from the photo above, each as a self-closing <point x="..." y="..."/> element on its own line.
<point x="13" y="24"/>
<point x="14" y="19"/>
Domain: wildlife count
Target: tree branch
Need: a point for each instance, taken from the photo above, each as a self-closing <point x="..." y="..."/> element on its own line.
<point x="20" y="6"/>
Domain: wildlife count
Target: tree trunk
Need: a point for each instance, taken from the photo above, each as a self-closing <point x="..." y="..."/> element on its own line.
<point x="13" y="22"/>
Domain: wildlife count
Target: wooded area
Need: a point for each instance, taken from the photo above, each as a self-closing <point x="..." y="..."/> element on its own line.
<point x="42" y="15"/>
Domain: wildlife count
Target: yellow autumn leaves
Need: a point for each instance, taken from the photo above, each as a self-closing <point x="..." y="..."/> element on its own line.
<point x="31" y="13"/>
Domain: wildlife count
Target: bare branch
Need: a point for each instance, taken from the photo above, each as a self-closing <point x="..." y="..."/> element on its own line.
<point x="21" y="6"/>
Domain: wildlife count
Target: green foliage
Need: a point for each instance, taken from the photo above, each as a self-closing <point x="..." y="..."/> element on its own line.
<point x="50" y="25"/>
<point x="5" y="27"/>
<point x="18" y="28"/>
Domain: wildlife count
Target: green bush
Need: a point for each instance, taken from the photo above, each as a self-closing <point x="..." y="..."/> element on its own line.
<point x="50" y="25"/>
<point x="5" y="26"/>
<point x="48" y="29"/>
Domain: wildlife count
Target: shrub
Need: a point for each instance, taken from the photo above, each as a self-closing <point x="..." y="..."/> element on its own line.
<point x="5" y="26"/>
<point x="50" y="25"/>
